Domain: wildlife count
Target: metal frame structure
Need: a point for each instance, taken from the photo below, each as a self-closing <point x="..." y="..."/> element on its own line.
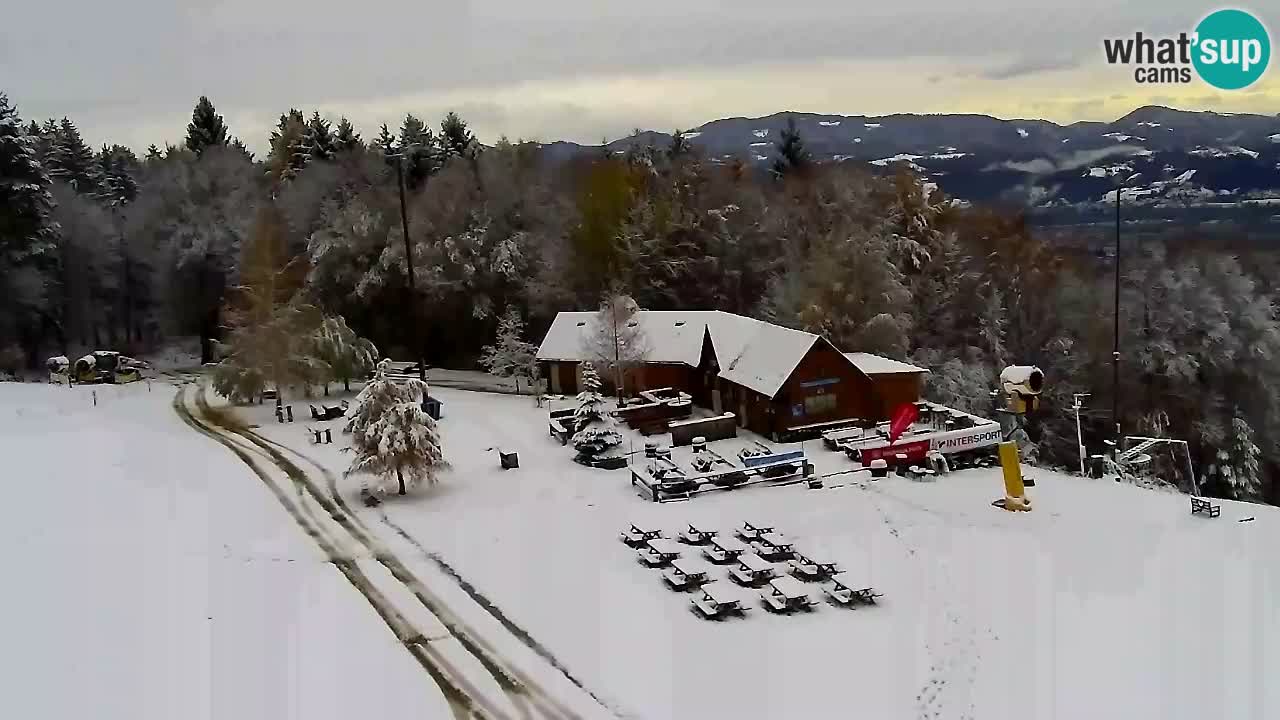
<point x="1132" y="442"/>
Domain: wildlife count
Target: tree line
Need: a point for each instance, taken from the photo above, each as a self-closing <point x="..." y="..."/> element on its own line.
<point x="108" y="247"/>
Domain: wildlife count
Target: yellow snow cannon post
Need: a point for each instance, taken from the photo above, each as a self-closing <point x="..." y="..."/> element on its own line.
<point x="1015" y="493"/>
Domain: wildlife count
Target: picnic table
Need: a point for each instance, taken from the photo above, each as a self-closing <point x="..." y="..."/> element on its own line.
<point x="636" y="535"/>
<point x="751" y="532"/>
<point x="659" y="552"/>
<point x="845" y="594"/>
<point x="786" y="594"/>
<point x="774" y="547"/>
<point x="697" y="536"/>
<point x="717" y="600"/>
<point x="806" y="567"/>
<point x="752" y="570"/>
<point x="684" y="574"/>
<point x="724" y="550"/>
<point x="1201" y="506"/>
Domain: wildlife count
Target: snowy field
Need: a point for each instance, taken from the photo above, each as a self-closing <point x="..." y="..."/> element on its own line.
<point x="1107" y="601"/>
<point x="158" y="578"/>
<point x="152" y="577"/>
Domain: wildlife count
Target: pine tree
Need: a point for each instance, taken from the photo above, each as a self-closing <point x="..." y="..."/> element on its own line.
<point x="346" y="138"/>
<point x="1238" y="468"/>
<point x="153" y="153"/>
<point x="72" y="161"/>
<point x="206" y="128"/>
<point x="27" y="230"/>
<point x="319" y="140"/>
<point x="456" y="140"/>
<point x="590" y="402"/>
<point x="116" y="166"/>
<point x="510" y="356"/>
<point x="793" y="156"/>
<point x="44" y="139"/>
<point x="347" y="355"/>
<point x="391" y="435"/>
<point x="386" y="143"/>
<point x="420" y="150"/>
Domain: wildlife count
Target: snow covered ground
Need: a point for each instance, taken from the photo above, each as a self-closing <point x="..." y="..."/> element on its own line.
<point x="1107" y="601"/>
<point x="156" y="577"/>
<point x="152" y="576"/>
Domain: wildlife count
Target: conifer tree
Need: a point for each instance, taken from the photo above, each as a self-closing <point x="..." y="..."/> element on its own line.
<point x="511" y="356"/>
<point x="319" y="140"/>
<point x="27" y="230"/>
<point x="289" y="153"/>
<point x="116" y="166"/>
<point x="346" y="137"/>
<point x="71" y="160"/>
<point x="793" y="156"/>
<point x="420" y="150"/>
<point x="456" y="140"/>
<point x="391" y="435"/>
<point x="206" y="128"/>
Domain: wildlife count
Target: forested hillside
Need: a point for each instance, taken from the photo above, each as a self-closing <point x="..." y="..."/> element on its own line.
<point x="128" y="249"/>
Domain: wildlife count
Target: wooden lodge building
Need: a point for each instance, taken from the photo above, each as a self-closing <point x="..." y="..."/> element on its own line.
<point x="773" y="378"/>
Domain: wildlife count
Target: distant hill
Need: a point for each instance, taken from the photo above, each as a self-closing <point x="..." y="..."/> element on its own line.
<point x="1168" y="158"/>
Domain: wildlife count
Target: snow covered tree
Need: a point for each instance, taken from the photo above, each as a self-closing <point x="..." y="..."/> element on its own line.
<point x="590" y="402"/>
<point x="420" y="151"/>
<point x="318" y="138"/>
<point x="456" y="140"/>
<point x="617" y="341"/>
<point x="345" y="136"/>
<point x="386" y="144"/>
<point x="391" y="435"/>
<point x="1237" y="468"/>
<point x="116" y="167"/>
<point x="593" y="441"/>
<point x="71" y="160"/>
<point x="346" y="354"/>
<point x="793" y="156"/>
<point x="206" y="128"/>
<point x="289" y="151"/>
<point x="511" y="356"/>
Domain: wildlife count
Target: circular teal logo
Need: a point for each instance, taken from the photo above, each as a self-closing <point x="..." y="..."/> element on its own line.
<point x="1232" y="49"/>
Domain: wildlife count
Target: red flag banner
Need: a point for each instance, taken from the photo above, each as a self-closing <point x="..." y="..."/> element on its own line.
<point x="903" y="416"/>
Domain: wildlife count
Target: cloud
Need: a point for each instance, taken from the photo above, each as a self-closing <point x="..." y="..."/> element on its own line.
<point x="1078" y="159"/>
<point x="1030" y="65"/>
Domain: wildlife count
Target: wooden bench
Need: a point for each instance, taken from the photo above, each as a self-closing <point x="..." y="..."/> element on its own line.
<point x="560" y="423"/>
<point x="1204" y="507"/>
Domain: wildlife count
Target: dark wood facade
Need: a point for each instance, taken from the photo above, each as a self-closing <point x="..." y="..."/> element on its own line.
<point x="824" y="386"/>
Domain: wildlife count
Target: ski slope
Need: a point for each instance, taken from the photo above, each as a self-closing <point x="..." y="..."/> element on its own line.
<point x="150" y="576"/>
<point x="1107" y="601"/>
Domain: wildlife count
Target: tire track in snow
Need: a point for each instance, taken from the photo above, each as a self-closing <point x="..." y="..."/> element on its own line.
<point x="465" y="702"/>
<point x="520" y="689"/>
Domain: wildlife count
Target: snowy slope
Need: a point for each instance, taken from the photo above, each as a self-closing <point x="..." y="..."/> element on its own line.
<point x="1107" y="601"/>
<point x="153" y="577"/>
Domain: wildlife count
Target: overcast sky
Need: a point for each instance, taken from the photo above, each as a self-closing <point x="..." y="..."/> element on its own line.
<point x="129" y="71"/>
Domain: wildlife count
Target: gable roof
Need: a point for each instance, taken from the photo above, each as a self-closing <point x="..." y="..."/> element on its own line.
<point x="752" y="353"/>
<point x="876" y="365"/>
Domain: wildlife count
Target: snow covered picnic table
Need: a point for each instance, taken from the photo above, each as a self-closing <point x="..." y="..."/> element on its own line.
<point x="659" y="552"/>
<point x="774" y="547"/>
<point x="751" y="570"/>
<point x="809" y="568"/>
<point x="718" y="599"/>
<point x="724" y="550"/>
<point x="635" y="536"/>
<point x="785" y="594"/>
<point x="696" y="536"/>
<point x="684" y="574"/>
<point x="751" y="532"/>
<point x="845" y="594"/>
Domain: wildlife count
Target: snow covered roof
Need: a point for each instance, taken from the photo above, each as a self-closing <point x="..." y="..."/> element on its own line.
<point x="752" y="353"/>
<point x="875" y="365"/>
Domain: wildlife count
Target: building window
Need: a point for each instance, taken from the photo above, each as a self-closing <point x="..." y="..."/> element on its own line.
<point x="819" y="404"/>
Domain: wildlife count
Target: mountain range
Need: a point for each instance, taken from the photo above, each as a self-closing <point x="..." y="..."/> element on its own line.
<point x="1165" y="158"/>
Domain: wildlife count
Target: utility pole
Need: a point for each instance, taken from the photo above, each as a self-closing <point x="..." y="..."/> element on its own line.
<point x="416" y="332"/>
<point x="1115" y="352"/>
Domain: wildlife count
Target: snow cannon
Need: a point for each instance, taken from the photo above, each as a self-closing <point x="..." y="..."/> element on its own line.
<point x="59" y="368"/>
<point x="1022" y="385"/>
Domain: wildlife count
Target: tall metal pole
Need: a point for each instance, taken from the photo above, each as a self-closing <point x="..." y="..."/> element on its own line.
<point x="1115" y="352"/>
<point x="416" y="332"/>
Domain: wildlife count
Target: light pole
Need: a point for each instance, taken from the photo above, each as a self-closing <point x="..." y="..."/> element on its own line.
<point x="1115" y="351"/>
<point x="1078" y="406"/>
<point x="416" y="332"/>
